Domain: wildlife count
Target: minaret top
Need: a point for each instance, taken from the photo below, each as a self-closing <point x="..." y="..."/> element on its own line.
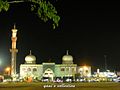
<point x="14" y="31"/>
<point x="14" y="28"/>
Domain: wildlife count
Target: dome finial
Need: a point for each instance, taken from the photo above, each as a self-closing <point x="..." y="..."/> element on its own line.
<point x="14" y="26"/>
<point x="67" y="52"/>
<point x="30" y="52"/>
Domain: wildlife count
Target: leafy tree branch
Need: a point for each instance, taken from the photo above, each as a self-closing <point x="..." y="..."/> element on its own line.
<point x="45" y="10"/>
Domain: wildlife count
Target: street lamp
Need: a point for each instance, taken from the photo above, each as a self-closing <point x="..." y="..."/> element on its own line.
<point x="7" y="70"/>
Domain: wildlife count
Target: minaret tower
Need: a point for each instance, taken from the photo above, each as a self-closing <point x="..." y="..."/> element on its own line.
<point x="13" y="51"/>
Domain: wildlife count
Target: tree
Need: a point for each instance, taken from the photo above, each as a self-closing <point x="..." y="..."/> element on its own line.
<point x="45" y="10"/>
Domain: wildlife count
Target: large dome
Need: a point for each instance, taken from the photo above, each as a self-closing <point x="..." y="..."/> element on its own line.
<point x="30" y="58"/>
<point x="67" y="58"/>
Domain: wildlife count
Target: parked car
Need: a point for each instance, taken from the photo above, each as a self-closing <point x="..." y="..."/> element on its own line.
<point x="116" y="79"/>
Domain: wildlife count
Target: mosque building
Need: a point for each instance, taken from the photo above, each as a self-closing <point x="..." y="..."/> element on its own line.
<point x="51" y="70"/>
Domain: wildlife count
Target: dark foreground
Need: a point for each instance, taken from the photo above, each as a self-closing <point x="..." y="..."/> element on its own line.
<point x="61" y="86"/>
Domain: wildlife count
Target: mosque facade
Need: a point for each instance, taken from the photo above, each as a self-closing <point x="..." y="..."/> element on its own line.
<point x="51" y="70"/>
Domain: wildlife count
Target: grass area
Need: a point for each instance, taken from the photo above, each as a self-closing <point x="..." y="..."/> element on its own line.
<point x="61" y="86"/>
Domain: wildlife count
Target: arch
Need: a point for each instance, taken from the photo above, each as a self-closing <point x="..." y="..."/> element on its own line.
<point x="49" y="73"/>
<point x="34" y="69"/>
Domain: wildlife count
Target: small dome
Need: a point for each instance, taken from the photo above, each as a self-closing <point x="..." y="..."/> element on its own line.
<point x="30" y="58"/>
<point x="67" y="58"/>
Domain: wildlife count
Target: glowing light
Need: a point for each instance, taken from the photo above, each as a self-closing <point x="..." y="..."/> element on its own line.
<point x="85" y="67"/>
<point x="7" y="69"/>
<point x="81" y="69"/>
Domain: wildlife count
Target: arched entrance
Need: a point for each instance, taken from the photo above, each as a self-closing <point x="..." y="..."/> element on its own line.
<point x="49" y="74"/>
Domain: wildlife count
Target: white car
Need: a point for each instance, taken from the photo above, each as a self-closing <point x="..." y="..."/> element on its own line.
<point x="116" y="79"/>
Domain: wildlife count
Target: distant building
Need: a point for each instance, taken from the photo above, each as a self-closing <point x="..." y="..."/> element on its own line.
<point x="84" y="71"/>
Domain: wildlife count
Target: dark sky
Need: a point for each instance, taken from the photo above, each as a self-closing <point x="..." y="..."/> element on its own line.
<point x="89" y="30"/>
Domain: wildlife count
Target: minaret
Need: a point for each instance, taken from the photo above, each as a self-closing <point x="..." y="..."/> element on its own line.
<point x="13" y="51"/>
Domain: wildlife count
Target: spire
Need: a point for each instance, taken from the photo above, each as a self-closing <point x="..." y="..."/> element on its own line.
<point x="14" y="26"/>
<point x="30" y="52"/>
<point x="67" y="52"/>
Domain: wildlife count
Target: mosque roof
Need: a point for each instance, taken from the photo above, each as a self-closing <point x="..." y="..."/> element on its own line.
<point x="30" y="58"/>
<point x="67" y="57"/>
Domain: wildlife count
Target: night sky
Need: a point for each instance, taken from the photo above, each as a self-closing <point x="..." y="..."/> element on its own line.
<point x="89" y="30"/>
